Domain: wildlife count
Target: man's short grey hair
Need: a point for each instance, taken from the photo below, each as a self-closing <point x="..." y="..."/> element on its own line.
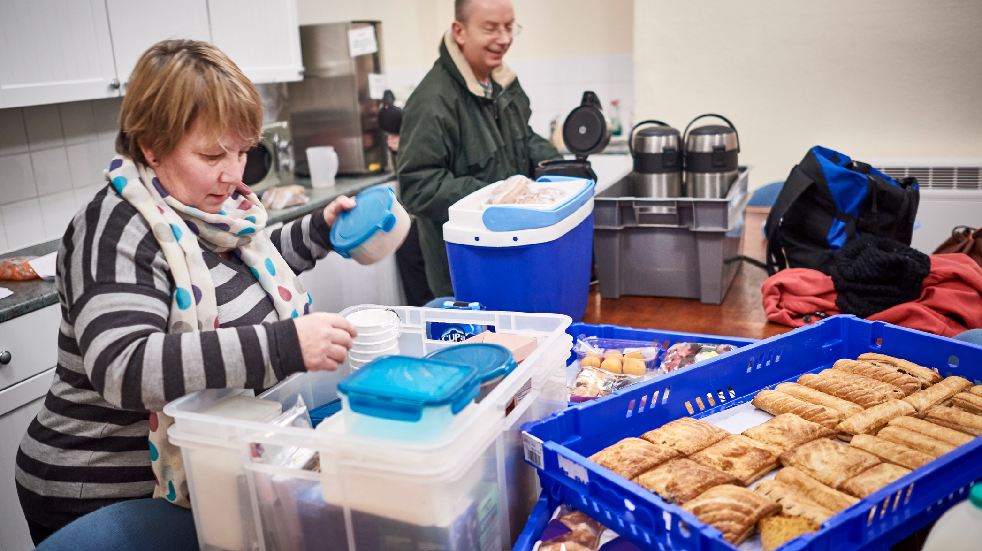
<point x="461" y="9"/>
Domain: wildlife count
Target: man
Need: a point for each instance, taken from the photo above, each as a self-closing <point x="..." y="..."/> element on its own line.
<point x="465" y="126"/>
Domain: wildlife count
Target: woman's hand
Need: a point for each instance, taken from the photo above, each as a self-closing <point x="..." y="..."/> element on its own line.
<point x="324" y="340"/>
<point x="336" y="207"/>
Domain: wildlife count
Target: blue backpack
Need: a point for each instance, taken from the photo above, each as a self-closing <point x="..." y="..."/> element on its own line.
<point x="829" y="200"/>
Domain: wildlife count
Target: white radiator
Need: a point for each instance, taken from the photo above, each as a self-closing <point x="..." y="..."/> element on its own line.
<point x="951" y="195"/>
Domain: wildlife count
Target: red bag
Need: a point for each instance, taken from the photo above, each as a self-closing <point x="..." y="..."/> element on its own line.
<point x="963" y="240"/>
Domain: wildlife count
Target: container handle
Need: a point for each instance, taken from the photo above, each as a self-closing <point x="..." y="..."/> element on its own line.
<point x="643" y="212"/>
<point x="721" y="117"/>
<point x="630" y="136"/>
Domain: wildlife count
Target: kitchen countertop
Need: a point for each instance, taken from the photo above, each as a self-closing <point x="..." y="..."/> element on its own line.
<point x="33" y="295"/>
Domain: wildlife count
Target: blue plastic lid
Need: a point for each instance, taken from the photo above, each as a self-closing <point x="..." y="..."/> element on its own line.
<point x="518" y="217"/>
<point x="491" y="360"/>
<point x="401" y="387"/>
<point x="373" y="212"/>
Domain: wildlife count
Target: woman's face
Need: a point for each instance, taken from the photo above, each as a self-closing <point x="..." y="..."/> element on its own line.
<point x="201" y="172"/>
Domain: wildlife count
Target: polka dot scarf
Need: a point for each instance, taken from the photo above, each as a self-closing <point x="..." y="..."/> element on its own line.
<point x="181" y="231"/>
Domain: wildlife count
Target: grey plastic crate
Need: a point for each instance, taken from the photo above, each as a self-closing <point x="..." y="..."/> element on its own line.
<point x="668" y="247"/>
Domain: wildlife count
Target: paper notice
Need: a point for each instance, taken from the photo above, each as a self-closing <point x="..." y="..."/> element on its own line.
<point x="44" y="266"/>
<point x="362" y="41"/>
<point x="376" y="86"/>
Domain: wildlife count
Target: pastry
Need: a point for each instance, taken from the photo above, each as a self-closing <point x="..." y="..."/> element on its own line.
<point x="927" y="428"/>
<point x="955" y="419"/>
<point x="686" y="435"/>
<point x="976" y="390"/>
<point x="682" y="479"/>
<point x="937" y="393"/>
<point x="874" y="418"/>
<point x="786" y="431"/>
<point x="874" y="478"/>
<point x="584" y="534"/>
<point x="916" y="441"/>
<point x="929" y="376"/>
<point x="822" y="494"/>
<point x="890" y="390"/>
<point x="909" y="384"/>
<point x="847" y="390"/>
<point x="732" y="510"/>
<point x="828" y="461"/>
<point x="738" y="456"/>
<point x="887" y="450"/>
<point x="845" y="407"/>
<point x="777" y="530"/>
<point x="968" y="402"/>
<point x="793" y="501"/>
<point x="776" y="403"/>
<point x="633" y="456"/>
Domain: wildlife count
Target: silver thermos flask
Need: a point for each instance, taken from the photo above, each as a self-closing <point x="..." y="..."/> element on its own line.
<point x="710" y="158"/>
<point x="657" y="157"/>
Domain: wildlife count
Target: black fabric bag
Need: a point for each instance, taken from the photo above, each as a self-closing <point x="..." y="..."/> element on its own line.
<point x="827" y="201"/>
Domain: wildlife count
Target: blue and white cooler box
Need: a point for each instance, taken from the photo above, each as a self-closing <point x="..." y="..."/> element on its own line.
<point x="523" y="258"/>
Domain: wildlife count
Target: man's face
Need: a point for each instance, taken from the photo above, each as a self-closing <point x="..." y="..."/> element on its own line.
<point x="485" y="36"/>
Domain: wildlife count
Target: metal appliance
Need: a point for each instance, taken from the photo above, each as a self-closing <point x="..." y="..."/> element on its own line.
<point x="710" y="158"/>
<point x="657" y="157"/>
<point x="586" y="131"/>
<point x="270" y="163"/>
<point x="337" y="101"/>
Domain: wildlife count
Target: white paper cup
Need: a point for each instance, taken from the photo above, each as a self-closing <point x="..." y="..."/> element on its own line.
<point x="322" y="161"/>
<point x="374" y="348"/>
<point x="372" y="321"/>
<point x="365" y="358"/>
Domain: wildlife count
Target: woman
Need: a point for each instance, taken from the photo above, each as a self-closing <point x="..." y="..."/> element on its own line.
<point x="168" y="285"/>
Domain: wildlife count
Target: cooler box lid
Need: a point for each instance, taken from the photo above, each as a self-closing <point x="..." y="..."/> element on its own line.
<point x="402" y="387"/>
<point x="373" y="212"/>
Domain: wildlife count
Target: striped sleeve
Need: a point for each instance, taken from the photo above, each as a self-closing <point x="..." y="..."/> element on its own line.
<point x="304" y="241"/>
<point x="119" y="311"/>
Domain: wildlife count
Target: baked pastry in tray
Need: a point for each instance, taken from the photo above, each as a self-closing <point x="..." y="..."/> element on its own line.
<point x="777" y="530"/>
<point x="967" y="401"/>
<point x="802" y="392"/>
<point x="818" y="492"/>
<point x="938" y="392"/>
<point x="929" y="376"/>
<point x="840" y="386"/>
<point x="633" y="456"/>
<point x="872" y="479"/>
<point x="739" y="456"/>
<point x="907" y="383"/>
<point x="786" y="431"/>
<point x="874" y="418"/>
<point x="897" y="454"/>
<point x="890" y="390"/>
<point x="686" y="435"/>
<point x="976" y="390"/>
<point x="937" y="432"/>
<point x="682" y="479"/>
<point x="828" y="461"/>
<point x="776" y="403"/>
<point x="954" y="418"/>
<point x="916" y="441"/>
<point x="732" y="510"/>
<point x="794" y="501"/>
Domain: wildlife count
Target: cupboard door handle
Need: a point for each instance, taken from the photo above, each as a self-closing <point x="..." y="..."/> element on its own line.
<point x="114" y="84"/>
<point x="5" y="357"/>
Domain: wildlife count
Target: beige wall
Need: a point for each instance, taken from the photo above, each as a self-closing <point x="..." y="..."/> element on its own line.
<point x="874" y="79"/>
<point x="411" y="29"/>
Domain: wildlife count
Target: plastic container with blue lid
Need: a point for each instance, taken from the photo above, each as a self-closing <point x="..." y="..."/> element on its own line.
<point x="404" y="397"/>
<point x="492" y="361"/>
<point x="374" y="229"/>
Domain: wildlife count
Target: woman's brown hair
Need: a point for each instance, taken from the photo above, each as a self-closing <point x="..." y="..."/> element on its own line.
<point x="177" y="83"/>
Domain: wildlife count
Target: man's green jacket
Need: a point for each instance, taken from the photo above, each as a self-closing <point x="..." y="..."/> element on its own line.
<point x="454" y="141"/>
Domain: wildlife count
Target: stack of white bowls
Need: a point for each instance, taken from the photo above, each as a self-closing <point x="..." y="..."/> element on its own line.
<point x="378" y="335"/>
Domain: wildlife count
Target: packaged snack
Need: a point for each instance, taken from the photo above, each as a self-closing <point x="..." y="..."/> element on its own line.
<point x="284" y="196"/>
<point x="682" y="354"/>
<point x="570" y="531"/>
<point x="606" y="365"/>
<point x="17" y="268"/>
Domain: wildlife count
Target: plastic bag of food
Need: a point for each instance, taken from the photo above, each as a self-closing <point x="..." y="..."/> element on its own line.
<point x="518" y="190"/>
<point x="17" y="268"/>
<point x="606" y="365"/>
<point x="570" y="530"/>
<point x="682" y="354"/>
<point x="284" y="196"/>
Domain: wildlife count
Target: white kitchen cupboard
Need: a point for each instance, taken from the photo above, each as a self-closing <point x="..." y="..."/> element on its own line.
<point x="261" y="36"/>
<point x="29" y="348"/>
<point x="54" y="51"/>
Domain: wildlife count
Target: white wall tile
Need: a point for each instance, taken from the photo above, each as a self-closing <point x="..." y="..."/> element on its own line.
<point x="86" y="161"/>
<point x="3" y="237"/>
<point x="106" y="112"/>
<point x="51" y="172"/>
<point x="13" y="136"/>
<point x="20" y="220"/>
<point x="85" y="194"/>
<point x="56" y="211"/>
<point x="43" y="124"/>
<point x="16" y="178"/>
<point x="78" y="122"/>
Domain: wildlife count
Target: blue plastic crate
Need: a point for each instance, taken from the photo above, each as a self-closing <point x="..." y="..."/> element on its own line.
<point x="536" y="524"/>
<point x="559" y="445"/>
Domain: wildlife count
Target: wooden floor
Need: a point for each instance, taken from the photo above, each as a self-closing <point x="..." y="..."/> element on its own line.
<point x="740" y="315"/>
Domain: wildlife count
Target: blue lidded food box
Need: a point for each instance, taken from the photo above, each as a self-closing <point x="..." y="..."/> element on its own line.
<point x="493" y="362"/>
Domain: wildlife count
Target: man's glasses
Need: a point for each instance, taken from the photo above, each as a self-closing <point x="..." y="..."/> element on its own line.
<point x="509" y="29"/>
